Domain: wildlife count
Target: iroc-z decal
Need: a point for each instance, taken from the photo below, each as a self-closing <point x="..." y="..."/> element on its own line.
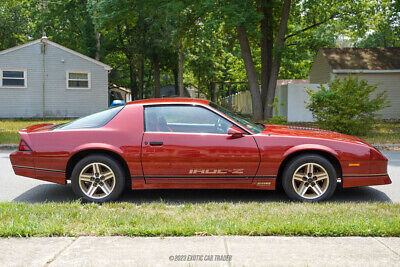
<point x="216" y="171"/>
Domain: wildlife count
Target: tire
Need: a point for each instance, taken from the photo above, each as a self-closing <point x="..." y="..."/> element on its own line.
<point x="301" y="186"/>
<point x="98" y="178"/>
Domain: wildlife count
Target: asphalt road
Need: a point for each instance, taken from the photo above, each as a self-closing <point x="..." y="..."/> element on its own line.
<point x="21" y="189"/>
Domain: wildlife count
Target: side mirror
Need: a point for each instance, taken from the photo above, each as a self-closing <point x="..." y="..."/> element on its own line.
<point x="235" y="132"/>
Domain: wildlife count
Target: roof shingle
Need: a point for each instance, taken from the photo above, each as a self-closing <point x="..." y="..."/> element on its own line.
<point x="377" y="58"/>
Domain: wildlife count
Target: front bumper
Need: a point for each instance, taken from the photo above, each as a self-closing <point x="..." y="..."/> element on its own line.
<point x="365" y="180"/>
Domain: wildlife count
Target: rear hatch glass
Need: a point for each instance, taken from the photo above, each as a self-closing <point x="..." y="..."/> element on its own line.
<point x="95" y="120"/>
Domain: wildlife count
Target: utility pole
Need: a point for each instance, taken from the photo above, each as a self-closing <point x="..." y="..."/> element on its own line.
<point x="43" y="50"/>
<point x="42" y="11"/>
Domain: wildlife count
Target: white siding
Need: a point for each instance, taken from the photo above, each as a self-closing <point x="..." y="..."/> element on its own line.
<point x="62" y="102"/>
<point x="282" y="94"/>
<point x="320" y="71"/>
<point x="389" y="82"/>
<point x="297" y="98"/>
<point x="23" y="102"/>
<point x="59" y="101"/>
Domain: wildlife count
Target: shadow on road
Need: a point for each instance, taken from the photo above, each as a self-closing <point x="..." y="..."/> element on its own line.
<point x="47" y="193"/>
<point x="61" y="193"/>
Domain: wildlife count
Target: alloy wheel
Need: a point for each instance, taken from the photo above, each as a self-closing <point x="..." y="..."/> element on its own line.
<point x="97" y="180"/>
<point x="310" y="180"/>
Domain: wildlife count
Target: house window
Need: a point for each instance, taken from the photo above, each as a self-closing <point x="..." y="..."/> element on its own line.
<point x="78" y="80"/>
<point x="13" y="78"/>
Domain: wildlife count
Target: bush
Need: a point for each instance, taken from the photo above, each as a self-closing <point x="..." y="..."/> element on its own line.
<point x="346" y="105"/>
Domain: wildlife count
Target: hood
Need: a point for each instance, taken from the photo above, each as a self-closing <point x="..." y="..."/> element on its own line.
<point x="38" y="128"/>
<point x="297" y="131"/>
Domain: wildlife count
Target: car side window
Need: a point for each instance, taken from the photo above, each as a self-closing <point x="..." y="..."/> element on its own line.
<point x="184" y="119"/>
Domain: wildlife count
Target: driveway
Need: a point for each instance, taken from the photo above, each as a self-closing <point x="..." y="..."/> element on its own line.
<point x="21" y="189"/>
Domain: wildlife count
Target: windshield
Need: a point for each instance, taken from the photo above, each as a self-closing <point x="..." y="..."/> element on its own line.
<point x="256" y="128"/>
<point x="95" y="120"/>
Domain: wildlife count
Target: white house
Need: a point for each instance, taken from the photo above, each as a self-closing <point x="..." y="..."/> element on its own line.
<point x="379" y="66"/>
<point x="44" y="79"/>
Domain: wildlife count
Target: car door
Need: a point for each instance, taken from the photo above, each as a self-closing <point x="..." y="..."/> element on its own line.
<point x="190" y="144"/>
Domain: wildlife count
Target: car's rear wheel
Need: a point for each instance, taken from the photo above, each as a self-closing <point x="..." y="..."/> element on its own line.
<point x="309" y="178"/>
<point x="98" y="178"/>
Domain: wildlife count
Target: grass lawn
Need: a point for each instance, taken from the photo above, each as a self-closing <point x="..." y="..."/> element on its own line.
<point x="163" y="219"/>
<point x="384" y="133"/>
<point x="381" y="133"/>
<point x="9" y="128"/>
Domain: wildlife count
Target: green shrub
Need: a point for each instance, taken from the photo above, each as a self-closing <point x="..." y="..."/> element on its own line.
<point x="346" y="105"/>
<point x="277" y="119"/>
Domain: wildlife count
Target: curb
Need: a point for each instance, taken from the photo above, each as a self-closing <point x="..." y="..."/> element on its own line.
<point x="9" y="147"/>
<point x="387" y="147"/>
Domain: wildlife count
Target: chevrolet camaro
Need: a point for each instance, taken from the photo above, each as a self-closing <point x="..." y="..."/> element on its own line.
<point x="193" y="144"/>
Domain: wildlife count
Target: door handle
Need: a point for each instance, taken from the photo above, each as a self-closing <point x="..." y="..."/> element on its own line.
<point x="156" y="143"/>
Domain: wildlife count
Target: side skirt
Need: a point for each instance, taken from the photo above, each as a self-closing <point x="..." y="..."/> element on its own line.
<point x="261" y="183"/>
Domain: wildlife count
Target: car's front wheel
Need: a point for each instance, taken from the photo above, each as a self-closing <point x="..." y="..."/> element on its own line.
<point x="309" y="178"/>
<point x="98" y="178"/>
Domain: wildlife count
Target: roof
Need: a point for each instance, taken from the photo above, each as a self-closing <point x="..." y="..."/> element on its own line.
<point x="169" y="91"/>
<point x="45" y="40"/>
<point x="170" y="100"/>
<point x="377" y="58"/>
<point x="291" y="81"/>
<point x="112" y="86"/>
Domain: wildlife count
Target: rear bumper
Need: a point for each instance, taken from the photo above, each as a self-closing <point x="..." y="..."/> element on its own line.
<point x="24" y="171"/>
<point x="366" y="180"/>
<point x="23" y="164"/>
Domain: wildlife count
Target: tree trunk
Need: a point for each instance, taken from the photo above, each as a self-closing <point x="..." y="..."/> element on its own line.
<point x="175" y="72"/>
<point x="266" y="46"/>
<point x="180" y="70"/>
<point x="157" y="85"/>
<point x="198" y="84"/>
<point x="98" y="45"/>
<point x="251" y="74"/>
<point x="130" y="54"/>
<point x="229" y="96"/>
<point x="148" y="82"/>
<point x="141" y="77"/>
<point x="214" y="92"/>
<point x="132" y="76"/>
<point x="280" y="39"/>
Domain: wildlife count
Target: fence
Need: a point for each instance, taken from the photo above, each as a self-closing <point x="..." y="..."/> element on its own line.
<point x="293" y="96"/>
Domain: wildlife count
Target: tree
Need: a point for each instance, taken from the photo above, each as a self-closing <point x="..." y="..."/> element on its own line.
<point x="15" y="23"/>
<point x="385" y="31"/>
<point x="268" y="26"/>
<point x="183" y="16"/>
<point x="142" y="33"/>
<point x="69" y="23"/>
<point x="154" y="42"/>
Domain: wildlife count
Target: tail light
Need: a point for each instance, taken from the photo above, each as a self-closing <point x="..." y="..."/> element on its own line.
<point x="23" y="146"/>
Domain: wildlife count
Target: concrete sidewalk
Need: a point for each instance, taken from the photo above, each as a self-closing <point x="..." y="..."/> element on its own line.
<point x="197" y="251"/>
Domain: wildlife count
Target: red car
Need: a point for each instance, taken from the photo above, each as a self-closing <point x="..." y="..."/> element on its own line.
<point x="189" y="143"/>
